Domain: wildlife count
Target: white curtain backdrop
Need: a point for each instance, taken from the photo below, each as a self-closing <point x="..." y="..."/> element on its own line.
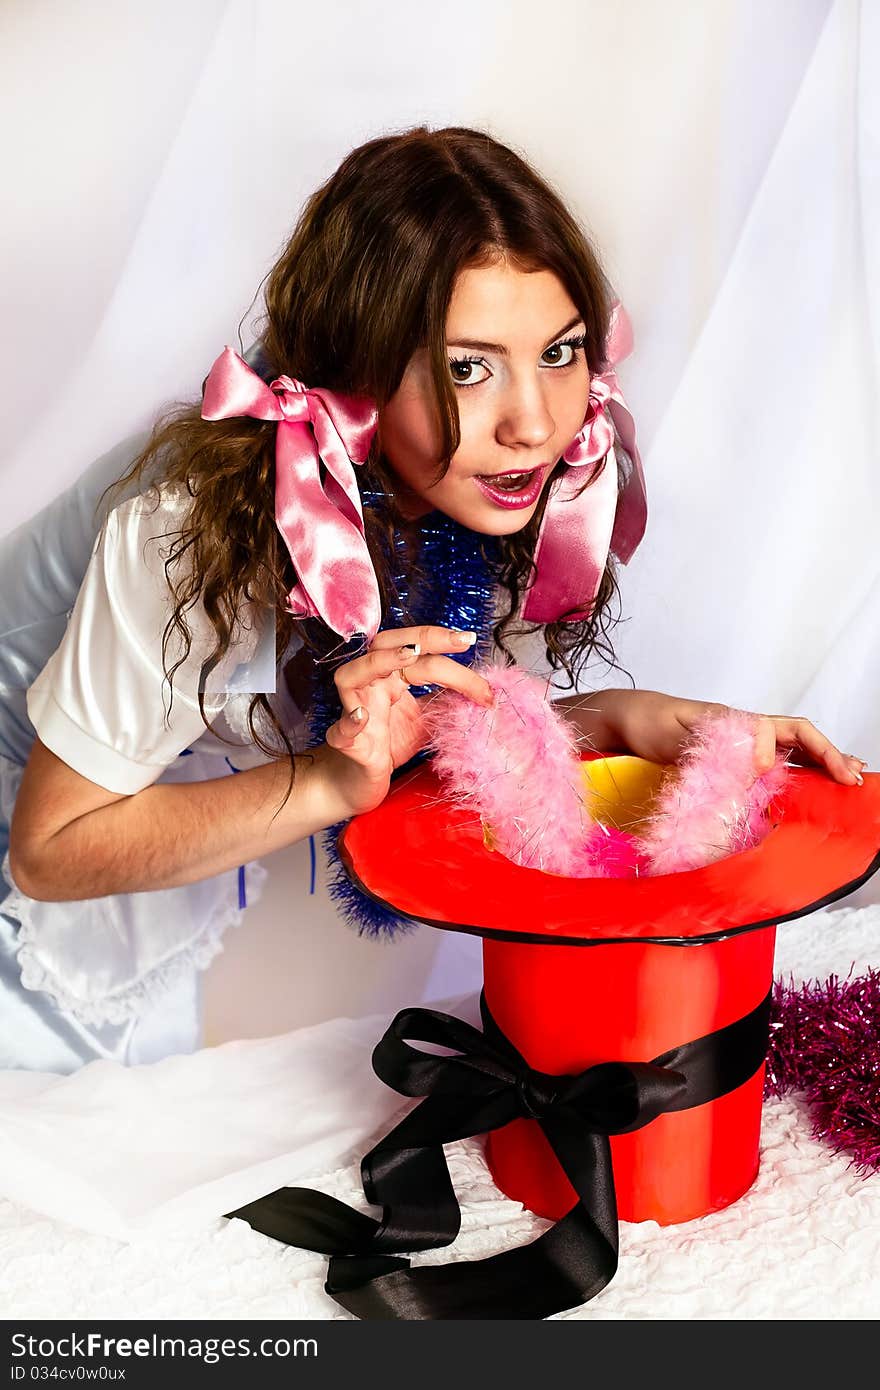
<point x="725" y="159"/>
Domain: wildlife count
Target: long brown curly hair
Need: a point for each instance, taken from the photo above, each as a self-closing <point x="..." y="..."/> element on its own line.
<point x="363" y="282"/>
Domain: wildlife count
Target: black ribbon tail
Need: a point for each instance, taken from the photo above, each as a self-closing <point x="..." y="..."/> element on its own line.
<point x="564" y="1267"/>
<point x="531" y="1281"/>
<point x="308" y="1219"/>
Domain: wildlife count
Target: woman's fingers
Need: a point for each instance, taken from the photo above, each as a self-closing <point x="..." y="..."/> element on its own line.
<point x="343" y="733"/>
<point x="427" y="638"/>
<point x="765" y="742"/>
<point x="413" y="665"/>
<point x="801" y="733"/>
<point x="362" y="671"/>
<point x="451" y="675"/>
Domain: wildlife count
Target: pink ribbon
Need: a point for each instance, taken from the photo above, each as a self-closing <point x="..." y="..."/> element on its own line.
<point x="578" y="531"/>
<point x="322" y="521"/>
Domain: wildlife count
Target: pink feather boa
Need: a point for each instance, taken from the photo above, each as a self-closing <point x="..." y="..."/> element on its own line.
<point x="516" y="765"/>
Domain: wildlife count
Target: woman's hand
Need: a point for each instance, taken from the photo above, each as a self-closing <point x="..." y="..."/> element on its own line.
<point x="656" y="727"/>
<point x="381" y="726"/>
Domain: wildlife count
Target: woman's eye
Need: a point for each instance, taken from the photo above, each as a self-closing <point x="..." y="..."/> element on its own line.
<point x="561" y="354"/>
<point x="463" y="370"/>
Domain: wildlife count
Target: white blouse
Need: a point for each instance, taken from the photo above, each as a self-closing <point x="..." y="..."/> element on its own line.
<point x="102" y="703"/>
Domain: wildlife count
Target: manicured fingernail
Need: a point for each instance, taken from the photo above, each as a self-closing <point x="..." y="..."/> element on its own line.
<point x="410" y="649"/>
<point x="467" y="639"/>
<point x="859" y="778"/>
<point x="359" y="714"/>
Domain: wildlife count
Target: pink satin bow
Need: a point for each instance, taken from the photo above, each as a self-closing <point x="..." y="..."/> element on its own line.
<point x="322" y="522"/>
<point x="577" y="532"/>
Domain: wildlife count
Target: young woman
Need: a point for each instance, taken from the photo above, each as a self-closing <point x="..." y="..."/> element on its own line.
<point x="432" y="398"/>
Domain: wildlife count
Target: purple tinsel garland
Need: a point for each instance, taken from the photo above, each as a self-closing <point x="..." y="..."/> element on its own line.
<point x="825" y="1044"/>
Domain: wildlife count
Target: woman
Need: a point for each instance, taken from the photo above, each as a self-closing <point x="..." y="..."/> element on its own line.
<point x="448" y="324"/>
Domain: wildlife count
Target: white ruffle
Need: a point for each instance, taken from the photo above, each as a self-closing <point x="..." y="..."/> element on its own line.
<point x="109" y="959"/>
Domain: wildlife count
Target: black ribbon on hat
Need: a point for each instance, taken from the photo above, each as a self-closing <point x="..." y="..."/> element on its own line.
<point x="484" y="1086"/>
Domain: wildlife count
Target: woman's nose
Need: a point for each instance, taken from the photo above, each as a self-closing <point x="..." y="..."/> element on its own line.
<point x="524" y="418"/>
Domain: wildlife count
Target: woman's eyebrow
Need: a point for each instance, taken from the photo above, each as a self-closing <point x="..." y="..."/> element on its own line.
<point x="505" y="352"/>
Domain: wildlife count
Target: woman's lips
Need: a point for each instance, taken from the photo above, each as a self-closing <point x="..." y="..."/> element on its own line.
<point x="526" y="496"/>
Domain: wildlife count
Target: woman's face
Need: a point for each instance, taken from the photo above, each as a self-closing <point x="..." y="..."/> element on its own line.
<point x="515" y="348"/>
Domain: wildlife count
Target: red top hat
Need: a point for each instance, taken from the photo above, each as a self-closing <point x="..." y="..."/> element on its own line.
<point x="568" y="1008"/>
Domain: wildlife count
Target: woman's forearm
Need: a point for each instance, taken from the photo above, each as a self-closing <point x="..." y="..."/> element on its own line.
<point x="594" y="717"/>
<point x="175" y="833"/>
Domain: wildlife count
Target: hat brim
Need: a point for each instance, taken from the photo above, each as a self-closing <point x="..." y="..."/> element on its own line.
<point x="425" y="859"/>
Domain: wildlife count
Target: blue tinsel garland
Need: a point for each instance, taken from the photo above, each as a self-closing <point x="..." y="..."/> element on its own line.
<point x="458" y="592"/>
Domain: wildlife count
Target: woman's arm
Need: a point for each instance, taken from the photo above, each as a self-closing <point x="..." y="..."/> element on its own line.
<point x="657" y="727"/>
<point x="71" y="839"/>
<point x="594" y="718"/>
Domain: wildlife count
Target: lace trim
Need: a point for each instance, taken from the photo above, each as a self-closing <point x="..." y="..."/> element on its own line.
<point x="136" y="996"/>
<point x="150" y="989"/>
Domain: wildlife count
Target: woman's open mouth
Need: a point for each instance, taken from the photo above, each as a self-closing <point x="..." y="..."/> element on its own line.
<point x="513" y="489"/>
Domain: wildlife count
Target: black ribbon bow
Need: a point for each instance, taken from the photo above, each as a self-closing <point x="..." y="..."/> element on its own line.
<point x="486" y="1085"/>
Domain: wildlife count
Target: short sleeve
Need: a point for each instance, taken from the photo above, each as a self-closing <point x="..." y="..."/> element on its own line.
<point x="102" y="702"/>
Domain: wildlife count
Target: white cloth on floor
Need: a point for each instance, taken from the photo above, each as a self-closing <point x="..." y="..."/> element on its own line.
<point x="120" y="1150"/>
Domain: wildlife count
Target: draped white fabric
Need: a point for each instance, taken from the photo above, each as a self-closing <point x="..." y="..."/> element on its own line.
<point x="725" y="157"/>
